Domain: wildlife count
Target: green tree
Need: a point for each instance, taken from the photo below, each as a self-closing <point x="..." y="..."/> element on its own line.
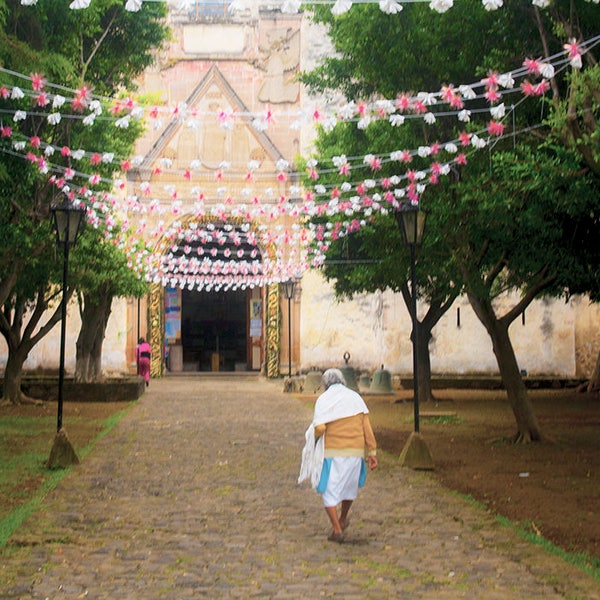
<point x="533" y="247"/>
<point x="98" y="52"/>
<point x="31" y="311"/>
<point x="383" y="58"/>
<point x="574" y="123"/>
<point x="400" y="45"/>
<point x="375" y="257"/>
<point x="104" y="275"/>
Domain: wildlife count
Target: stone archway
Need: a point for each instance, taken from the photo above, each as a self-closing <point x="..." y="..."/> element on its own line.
<point x="179" y="253"/>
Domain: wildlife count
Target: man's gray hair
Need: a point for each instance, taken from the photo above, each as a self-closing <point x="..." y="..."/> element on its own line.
<point x="332" y="376"/>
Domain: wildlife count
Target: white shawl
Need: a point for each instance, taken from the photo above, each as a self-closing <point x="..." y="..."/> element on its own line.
<point x="337" y="402"/>
<point x="312" y="457"/>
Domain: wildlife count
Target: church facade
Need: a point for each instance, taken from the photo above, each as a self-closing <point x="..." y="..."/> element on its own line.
<point x="247" y="62"/>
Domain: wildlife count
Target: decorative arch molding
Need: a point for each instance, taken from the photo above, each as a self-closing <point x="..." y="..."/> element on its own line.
<point x="271" y="296"/>
<point x="156" y="312"/>
<point x="273" y="331"/>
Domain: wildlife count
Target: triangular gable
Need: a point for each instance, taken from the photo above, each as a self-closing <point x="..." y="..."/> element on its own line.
<point x="213" y="78"/>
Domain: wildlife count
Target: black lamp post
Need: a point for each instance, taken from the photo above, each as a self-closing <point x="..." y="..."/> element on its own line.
<point x="289" y="288"/>
<point x="411" y="221"/>
<point x="67" y="222"/>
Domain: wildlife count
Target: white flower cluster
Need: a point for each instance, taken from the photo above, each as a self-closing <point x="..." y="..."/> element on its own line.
<point x="390" y="7"/>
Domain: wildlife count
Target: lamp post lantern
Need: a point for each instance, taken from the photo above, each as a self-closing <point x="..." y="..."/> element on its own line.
<point x="289" y="288"/>
<point x="411" y="221"/>
<point x="67" y="222"/>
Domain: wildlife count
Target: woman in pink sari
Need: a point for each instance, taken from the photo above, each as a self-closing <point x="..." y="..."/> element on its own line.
<point x="143" y="353"/>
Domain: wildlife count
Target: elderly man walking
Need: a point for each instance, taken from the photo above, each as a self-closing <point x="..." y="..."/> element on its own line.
<point x="337" y="441"/>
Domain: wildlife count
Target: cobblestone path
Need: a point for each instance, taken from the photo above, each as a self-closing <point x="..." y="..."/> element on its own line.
<point x="194" y="495"/>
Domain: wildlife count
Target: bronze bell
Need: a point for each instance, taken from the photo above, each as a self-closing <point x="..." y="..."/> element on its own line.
<point x="381" y="382"/>
<point x="312" y="382"/>
<point x="364" y="381"/>
<point x="348" y="373"/>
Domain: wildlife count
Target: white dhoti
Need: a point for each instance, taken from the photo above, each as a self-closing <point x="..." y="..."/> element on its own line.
<point x="343" y="481"/>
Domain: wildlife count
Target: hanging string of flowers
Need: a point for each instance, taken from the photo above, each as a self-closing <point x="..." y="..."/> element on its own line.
<point x="449" y="101"/>
<point x="323" y="201"/>
<point x="226" y="179"/>
<point x="200" y="257"/>
<point x="339" y="7"/>
<point x="265" y="206"/>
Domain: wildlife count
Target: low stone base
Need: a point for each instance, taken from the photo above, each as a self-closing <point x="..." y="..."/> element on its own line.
<point x="415" y="454"/>
<point x="62" y="454"/>
<point x="123" y="389"/>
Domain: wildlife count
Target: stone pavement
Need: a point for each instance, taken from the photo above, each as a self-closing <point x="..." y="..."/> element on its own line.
<point x="194" y="495"/>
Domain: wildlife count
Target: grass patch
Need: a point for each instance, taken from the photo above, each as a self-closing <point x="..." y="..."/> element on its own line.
<point x="583" y="561"/>
<point x="23" y="447"/>
<point x="10" y="523"/>
<point x="24" y="478"/>
<point x="436" y="420"/>
<point x="441" y="419"/>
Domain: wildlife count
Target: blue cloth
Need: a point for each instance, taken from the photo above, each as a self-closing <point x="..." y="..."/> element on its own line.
<point x="363" y="473"/>
<point x="327" y="468"/>
<point x="324" y="476"/>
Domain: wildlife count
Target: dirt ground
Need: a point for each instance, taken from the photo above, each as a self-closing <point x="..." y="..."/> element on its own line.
<point x="551" y="487"/>
<point x="25" y="448"/>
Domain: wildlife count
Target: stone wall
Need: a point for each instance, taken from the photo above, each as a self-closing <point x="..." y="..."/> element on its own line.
<point x="557" y="338"/>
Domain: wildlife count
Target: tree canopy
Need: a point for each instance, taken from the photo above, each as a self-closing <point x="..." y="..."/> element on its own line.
<point x="96" y="55"/>
<point x="519" y="215"/>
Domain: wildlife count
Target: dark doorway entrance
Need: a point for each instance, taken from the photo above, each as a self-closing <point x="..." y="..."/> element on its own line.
<point x="214" y="330"/>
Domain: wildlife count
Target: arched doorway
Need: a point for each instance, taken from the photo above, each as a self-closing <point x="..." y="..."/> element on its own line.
<point x="213" y="313"/>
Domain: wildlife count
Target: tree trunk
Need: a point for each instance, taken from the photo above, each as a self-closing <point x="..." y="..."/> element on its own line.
<point x="424" y="364"/>
<point x="94" y="318"/>
<point x="96" y="371"/>
<point x="83" y="346"/>
<point x="13" y="374"/>
<point x="594" y="384"/>
<point x="527" y="425"/>
<point x="96" y="358"/>
<point x="436" y="310"/>
<point x="20" y="340"/>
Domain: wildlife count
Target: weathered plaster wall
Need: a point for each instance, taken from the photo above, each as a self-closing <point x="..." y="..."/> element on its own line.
<point x="45" y="356"/>
<point x="558" y="338"/>
<point x="587" y="335"/>
<point x="375" y="329"/>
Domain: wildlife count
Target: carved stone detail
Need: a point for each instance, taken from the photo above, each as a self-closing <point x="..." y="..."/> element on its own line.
<point x="156" y="310"/>
<point x="281" y="58"/>
<point x="273" y="330"/>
